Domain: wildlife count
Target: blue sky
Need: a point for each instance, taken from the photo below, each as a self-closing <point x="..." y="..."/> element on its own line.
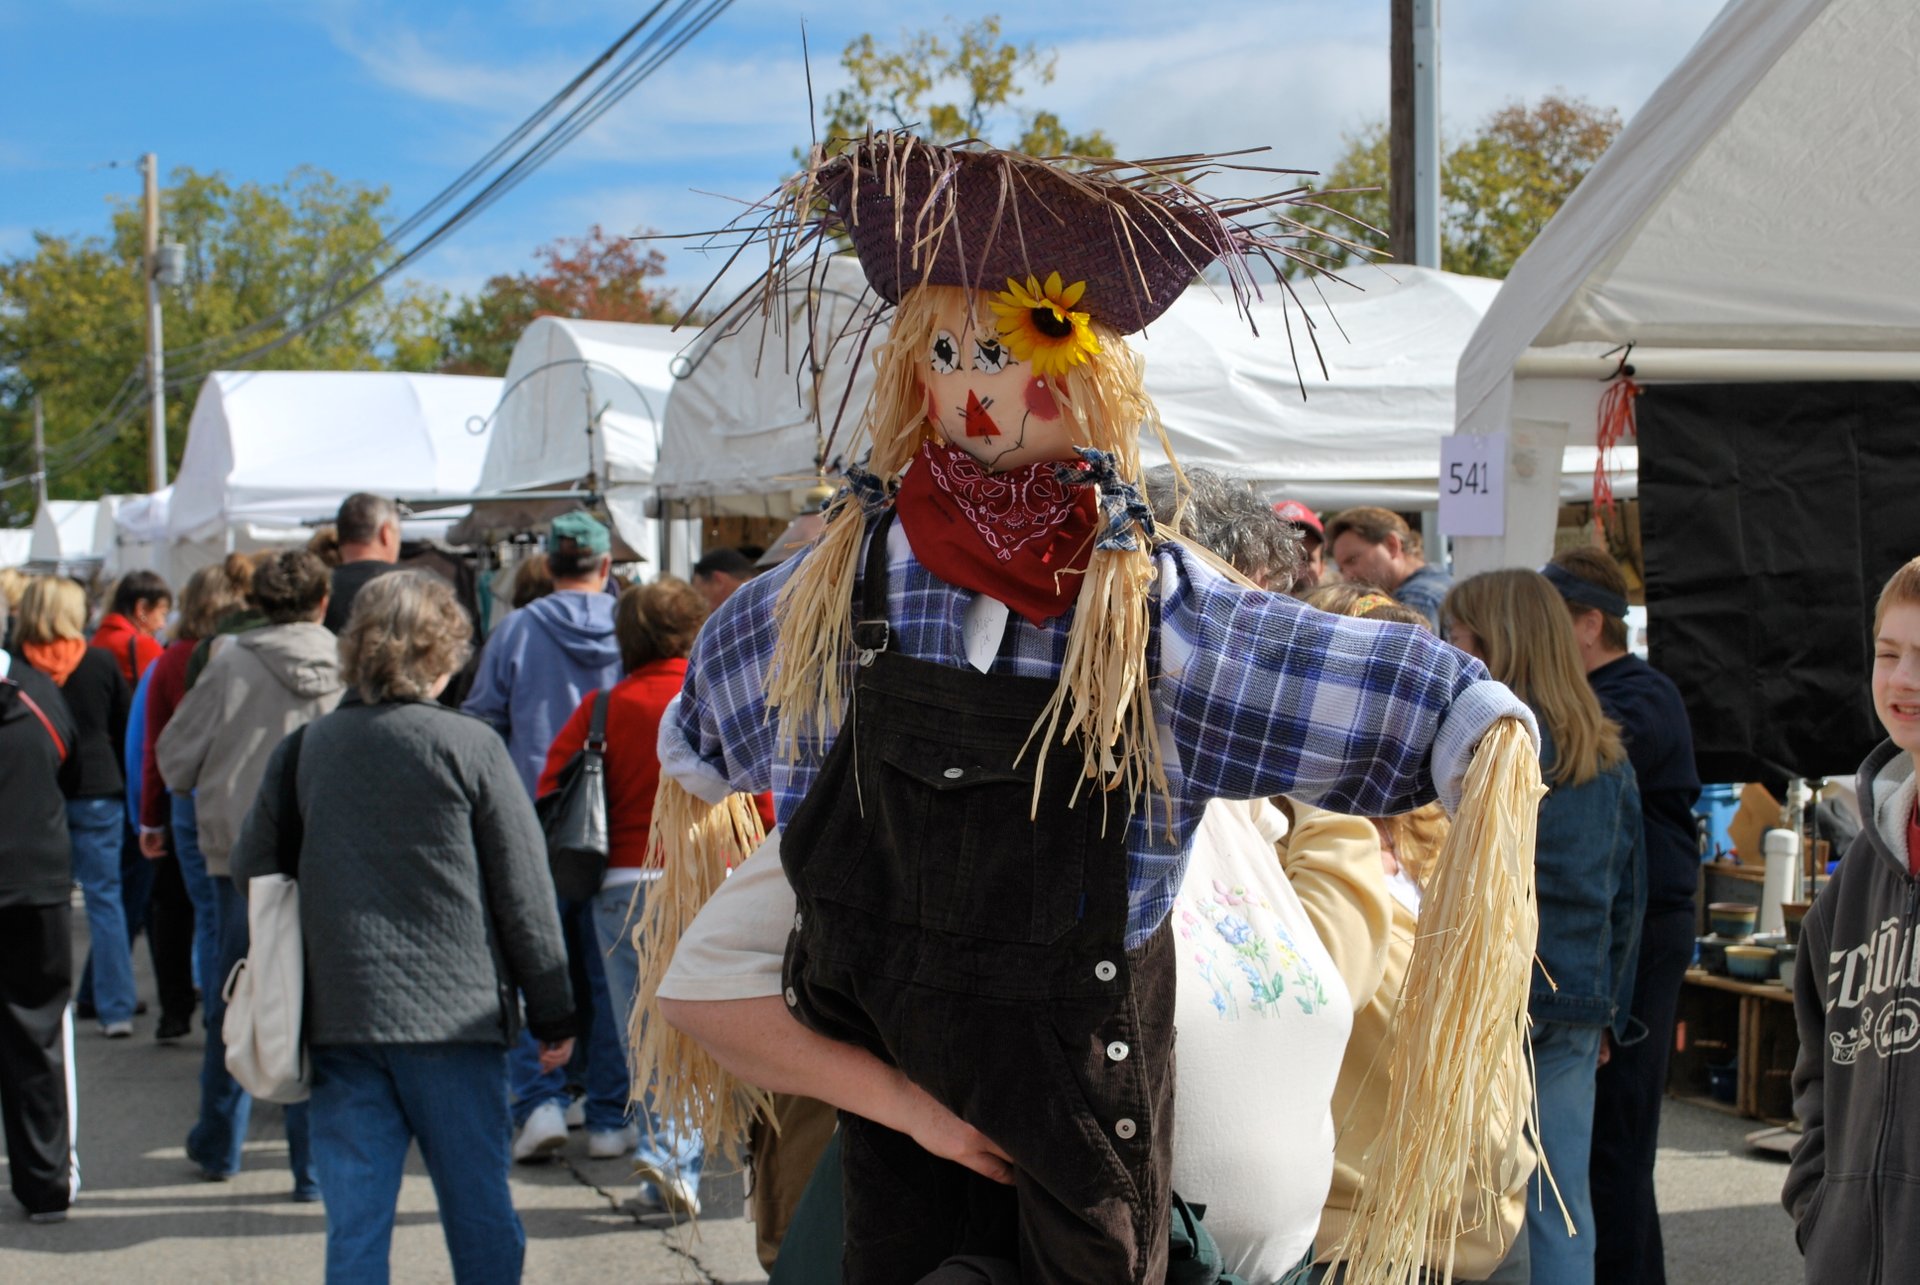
<point x="407" y="94"/>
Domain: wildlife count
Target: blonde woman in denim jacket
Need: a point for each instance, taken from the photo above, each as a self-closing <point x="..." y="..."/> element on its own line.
<point x="1590" y="872"/>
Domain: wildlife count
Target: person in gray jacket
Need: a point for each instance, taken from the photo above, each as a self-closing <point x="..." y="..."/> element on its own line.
<point x="425" y="904"/>
<point x="258" y="687"/>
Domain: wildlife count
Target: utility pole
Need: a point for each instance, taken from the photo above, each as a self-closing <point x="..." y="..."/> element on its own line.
<point x="156" y="364"/>
<point x="1413" y="133"/>
<point x="39" y="452"/>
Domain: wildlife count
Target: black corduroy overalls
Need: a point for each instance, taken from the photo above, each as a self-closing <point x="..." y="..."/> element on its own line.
<point x="978" y="944"/>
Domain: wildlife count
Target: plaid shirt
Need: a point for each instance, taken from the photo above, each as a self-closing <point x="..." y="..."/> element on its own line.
<point x="1255" y="695"/>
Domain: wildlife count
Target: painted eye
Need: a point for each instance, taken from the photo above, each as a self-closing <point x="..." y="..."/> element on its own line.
<point x="990" y="356"/>
<point x="945" y="353"/>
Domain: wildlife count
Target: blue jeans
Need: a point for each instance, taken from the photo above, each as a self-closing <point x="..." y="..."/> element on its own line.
<point x="98" y="827"/>
<point x="136" y="891"/>
<point x="225" y="1108"/>
<point x="369" y="1102"/>
<point x="606" y="1042"/>
<point x="206" y="904"/>
<point x="1565" y="1059"/>
<point x="658" y="1149"/>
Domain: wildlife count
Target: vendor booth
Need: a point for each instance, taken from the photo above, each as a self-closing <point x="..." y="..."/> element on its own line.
<point x="1752" y="236"/>
<point x="578" y="421"/>
<point x="270" y="453"/>
<point x="16" y="546"/>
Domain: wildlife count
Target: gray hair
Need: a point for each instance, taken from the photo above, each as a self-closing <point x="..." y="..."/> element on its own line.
<point x="1223" y="515"/>
<point x="361" y="517"/>
<point x="406" y="632"/>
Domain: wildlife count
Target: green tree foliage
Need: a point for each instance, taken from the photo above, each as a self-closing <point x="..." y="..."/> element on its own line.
<point x="1498" y="188"/>
<point x="596" y="277"/>
<point x="952" y="85"/>
<point x="73" y="313"/>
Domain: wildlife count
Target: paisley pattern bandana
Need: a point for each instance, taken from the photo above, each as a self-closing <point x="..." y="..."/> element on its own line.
<point x="1022" y="537"/>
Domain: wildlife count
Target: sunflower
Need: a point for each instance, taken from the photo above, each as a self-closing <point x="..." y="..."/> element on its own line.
<point x="1041" y="327"/>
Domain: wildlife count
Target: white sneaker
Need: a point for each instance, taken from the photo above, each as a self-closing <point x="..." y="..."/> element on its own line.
<point x="668" y="1192"/>
<point x="576" y="1113"/>
<point x="607" y="1144"/>
<point x="543" y="1136"/>
<point x="116" y="1030"/>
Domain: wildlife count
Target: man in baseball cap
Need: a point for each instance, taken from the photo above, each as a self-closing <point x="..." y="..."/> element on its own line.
<point x="1313" y="539"/>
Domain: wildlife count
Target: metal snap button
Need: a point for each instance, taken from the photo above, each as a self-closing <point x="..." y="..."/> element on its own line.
<point x="792" y="999"/>
<point x="1125" y="1129"/>
<point x="1117" y="1051"/>
<point x="954" y="773"/>
<point x="1105" y="970"/>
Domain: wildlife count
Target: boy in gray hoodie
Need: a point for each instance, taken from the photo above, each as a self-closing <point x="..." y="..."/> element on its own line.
<point x="1854" y="1185"/>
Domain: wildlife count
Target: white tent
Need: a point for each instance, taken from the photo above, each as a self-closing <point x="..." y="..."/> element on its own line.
<point x="741" y="434"/>
<point x="1758" y="220"/>
<point x="64" y="533"/>
<point x="133" y="533"/>
<point x="268" y="451"/>
<point x="16" y="546"/>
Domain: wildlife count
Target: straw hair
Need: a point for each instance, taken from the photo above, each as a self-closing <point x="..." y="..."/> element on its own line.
<point x="52" y="608"/>
<point x="695" y="844"/>
<point x="1102" y="698"/>
<point x="1523" y="625"/>
<point x="1460" y="1081"/>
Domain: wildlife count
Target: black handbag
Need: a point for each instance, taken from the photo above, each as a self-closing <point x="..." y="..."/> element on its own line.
<point x="574" y="815"/>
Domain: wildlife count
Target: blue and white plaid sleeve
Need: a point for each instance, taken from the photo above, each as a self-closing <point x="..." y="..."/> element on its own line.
<point x="1268" y="696"/>
<point x="722" y="718"/>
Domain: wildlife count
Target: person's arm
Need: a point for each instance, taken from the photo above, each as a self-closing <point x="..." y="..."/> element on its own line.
<point x="717" y="737"/>
<point x="513" y="864"/>
<point x="1808" y="1165"/>
<point x="181" y="750"/>
<point x="566" y="743"/>
<point x="759" y="1041"/>
<point x="1264" y="695"/>
<point x="1628" y="909"/>
<point x="488" y="699"/>
<point x="1333" y="862"/>
<point x="119" y="710"/>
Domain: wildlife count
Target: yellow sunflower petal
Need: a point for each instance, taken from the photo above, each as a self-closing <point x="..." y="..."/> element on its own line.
<point x="1072" y="294"/>
<point x="1053" y="285"/>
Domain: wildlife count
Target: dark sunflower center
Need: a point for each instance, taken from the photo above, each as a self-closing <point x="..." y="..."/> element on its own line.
<point x="1051" y="324"/>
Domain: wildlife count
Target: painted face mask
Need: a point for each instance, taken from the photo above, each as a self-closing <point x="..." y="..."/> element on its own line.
<point x="985" y="400"/>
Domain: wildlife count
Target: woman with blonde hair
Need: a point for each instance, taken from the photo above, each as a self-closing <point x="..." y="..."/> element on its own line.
<point x="425" y="904"/>
<point x="52" y="638"/>
<point x="1589" y="869"/>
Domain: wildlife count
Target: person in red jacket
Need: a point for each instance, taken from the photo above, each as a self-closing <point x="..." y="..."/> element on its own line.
<point x="655" y="626"/>
<point x="131" y="628"/>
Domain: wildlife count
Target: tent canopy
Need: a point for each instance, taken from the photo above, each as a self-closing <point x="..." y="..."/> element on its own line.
<point x="562" y="373"/>
<point x="64" y="532"/>
<point x="741" y="433"/>
<point x="275" y="449"/>
<point x="1758" y="220"/>
<point x="16" y="546"/>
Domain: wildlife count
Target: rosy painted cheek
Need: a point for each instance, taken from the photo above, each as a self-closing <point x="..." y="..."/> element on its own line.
<point x="1040" y="402"/>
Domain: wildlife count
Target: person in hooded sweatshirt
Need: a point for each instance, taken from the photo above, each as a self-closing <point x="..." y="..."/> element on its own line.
<point x="537" y="667"/>
<point x="1853" y="1187"/>
<point x="261" y="686"/>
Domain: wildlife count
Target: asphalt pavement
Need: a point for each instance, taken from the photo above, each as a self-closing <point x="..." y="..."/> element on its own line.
<point x="146" y="1218"/>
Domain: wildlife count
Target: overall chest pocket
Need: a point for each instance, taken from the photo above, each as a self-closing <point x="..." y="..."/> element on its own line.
<point x="983" y="865"/>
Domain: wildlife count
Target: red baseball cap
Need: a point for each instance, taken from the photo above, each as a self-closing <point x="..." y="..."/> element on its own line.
<point x="1300" y="515"/>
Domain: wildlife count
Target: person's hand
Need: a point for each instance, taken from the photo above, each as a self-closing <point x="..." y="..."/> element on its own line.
<point x="1606" y="1048"/>
<point x="942" y="1133"/>
<point x="153" y="843"/>
<point x="554" y="1056"/>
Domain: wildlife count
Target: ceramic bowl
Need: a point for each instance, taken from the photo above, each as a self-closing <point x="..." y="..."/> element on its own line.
<point x="1791" y="913"/>
<point x="1731" y="918"/>
<point x="1784" y="960"/>
<point x="1713" y="953"/>
<point x="1751" y="963"/>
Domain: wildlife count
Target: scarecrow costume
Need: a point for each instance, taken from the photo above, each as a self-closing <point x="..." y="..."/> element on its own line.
<point x="992" y="702"/>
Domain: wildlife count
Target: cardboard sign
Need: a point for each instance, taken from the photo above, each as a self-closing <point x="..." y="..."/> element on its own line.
<point x="1473" y="484"/>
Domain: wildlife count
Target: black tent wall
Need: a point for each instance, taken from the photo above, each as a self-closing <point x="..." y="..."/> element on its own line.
<point x="1771" y="514"/>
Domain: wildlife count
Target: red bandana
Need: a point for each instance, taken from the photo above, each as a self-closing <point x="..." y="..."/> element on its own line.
<point x="1021" y="537"/>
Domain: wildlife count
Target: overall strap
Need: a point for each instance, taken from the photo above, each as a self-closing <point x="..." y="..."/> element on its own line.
<point x="870" y="630"/>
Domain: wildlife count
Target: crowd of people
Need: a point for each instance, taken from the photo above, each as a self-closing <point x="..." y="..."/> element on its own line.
<point x="455" y="1002"/>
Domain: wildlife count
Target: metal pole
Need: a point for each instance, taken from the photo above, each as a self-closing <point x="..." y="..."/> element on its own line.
<point x="1400" y="183"/>
<point x="1426" y="133"/>
<point x="156" y="363"/>
<point x="39" y="451"/>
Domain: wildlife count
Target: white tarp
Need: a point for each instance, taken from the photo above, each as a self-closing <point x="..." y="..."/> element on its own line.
<point x="64" y="533"/>
<point x="16" y="546"/>
<point x="1758" y="219"/>
<point x="270" y="450"/>
<point x="741" y="432"/>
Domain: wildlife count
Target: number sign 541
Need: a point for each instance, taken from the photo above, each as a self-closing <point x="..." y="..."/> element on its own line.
<point x="1473" y="476"/>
